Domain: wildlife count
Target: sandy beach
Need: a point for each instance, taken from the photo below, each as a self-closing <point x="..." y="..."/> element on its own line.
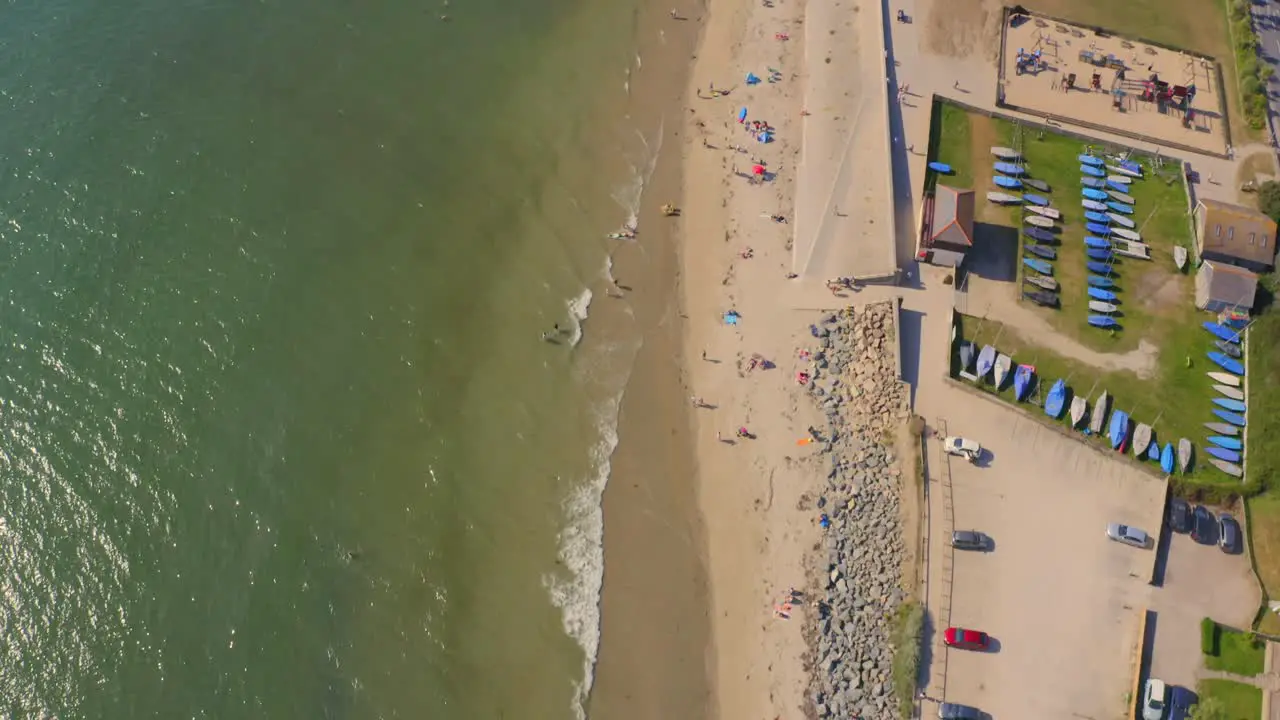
<point x="743" y="250"/>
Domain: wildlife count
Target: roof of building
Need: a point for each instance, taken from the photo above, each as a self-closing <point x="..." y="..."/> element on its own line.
<point x="1238" y="232"/>
<point x="1229" y="284"/>
<point x="952" y="216"/>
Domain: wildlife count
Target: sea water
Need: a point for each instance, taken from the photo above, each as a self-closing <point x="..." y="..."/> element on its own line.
<point x="278" y="431"/>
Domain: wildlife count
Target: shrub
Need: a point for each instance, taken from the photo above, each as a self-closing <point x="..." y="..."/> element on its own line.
<point x="1209" y="637"/>
<point x="908" y="627"/>
<point x="1269" y="199"/>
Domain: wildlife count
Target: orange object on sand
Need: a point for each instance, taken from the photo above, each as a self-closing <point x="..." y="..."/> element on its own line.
<point x="804" y="441"/>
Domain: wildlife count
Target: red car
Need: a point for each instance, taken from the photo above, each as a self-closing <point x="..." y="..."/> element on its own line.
<point x="966" y="639"/>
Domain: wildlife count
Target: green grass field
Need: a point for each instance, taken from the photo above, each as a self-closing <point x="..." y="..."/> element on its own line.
<point x="1238" y="653"/>
<point x="1242" y="702"/>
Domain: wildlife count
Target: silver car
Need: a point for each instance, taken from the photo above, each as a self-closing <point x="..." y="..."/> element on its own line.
<point x="1128" y="535"/>
<point x="969" y="540"/>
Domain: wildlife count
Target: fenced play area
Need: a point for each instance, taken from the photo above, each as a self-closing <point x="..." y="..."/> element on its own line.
<point x="1097" y="79"/>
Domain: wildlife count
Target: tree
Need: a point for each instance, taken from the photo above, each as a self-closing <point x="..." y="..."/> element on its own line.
<point x="1269" y="199"/>
<point x="1210" y="708"/>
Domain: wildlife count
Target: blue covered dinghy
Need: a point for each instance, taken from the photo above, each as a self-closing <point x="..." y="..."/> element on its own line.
<point x="1056" y="399"/>
<point x="1233" y="418"/>
<point x="1229" y="404"/>
<point x="1221" y="332"/>
<point x="1103" y="321"/>
<point x="1021" y="381"/>
<point x="1223" y="454"/>
<point x="1229" y="364"/>
<point x="1040" y="266"/>
<point x="1230" y="443"/>
<point x="1118" y="431"/>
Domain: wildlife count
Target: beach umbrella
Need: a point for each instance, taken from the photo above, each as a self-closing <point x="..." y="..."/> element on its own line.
<point x="757" y="169"/>
<point x="742" y="115"/>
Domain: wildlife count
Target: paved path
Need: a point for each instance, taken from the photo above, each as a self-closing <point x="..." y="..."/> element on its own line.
<point x="843" y="210"/>
<point x="998" y="300"/>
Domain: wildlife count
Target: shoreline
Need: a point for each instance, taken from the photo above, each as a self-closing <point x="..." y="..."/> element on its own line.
<point x="654" y="608"/>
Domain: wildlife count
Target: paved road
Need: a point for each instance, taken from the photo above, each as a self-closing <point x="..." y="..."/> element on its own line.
<point x="1266" y="22"/>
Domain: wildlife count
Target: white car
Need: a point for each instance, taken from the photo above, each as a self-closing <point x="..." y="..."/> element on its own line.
<point x="963" y="447"/>
<point x="1153" y="699"/>
<point x="1129" y="535"/>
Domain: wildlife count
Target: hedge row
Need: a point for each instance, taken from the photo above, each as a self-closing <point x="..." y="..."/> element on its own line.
<point x="1208" y="637"/>
<point x="1253" y="74"/>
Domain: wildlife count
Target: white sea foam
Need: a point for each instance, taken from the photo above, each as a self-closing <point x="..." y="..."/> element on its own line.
<point x="582" y="552"/>
<point x="631" y="191"/>
<point x="577" y="592"/>
<point x="579" y="308"/>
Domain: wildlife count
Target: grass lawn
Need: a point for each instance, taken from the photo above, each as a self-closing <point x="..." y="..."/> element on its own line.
<point x="1153" y="296"/>
<point x="949" y="143"/>
<point x="1242" y="702"/>
<point x="1263" y="447"/>
<point x="1264" y="538"/>
<point x="1199" y="25"/>
<point x="1238" y="653"/>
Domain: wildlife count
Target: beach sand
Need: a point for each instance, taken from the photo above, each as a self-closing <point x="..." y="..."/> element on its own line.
<point x="706" y="532"/>
<point x="755" y="494"/>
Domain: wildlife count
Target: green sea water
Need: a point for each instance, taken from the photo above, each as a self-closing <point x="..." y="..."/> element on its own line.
<point x="278" y="435"/>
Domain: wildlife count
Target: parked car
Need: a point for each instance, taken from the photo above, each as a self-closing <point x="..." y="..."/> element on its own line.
<point x="969" y="540"/>
<point x="966" y="639"/>
<point x="956" y="711"/>
<point x="964" y="447"/>
<point x="1179" y="515"/>
<point x="1153" y="700"/>
<point x="1203" y="529"/>
<point x="1128" y="535"/>
<point x="1228" y="534"/>
<point x="1180" y="701"/>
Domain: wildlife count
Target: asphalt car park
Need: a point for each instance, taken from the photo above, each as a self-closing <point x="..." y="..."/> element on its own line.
<point x="1060" y="602"/>
<point x="1197" y="579"/>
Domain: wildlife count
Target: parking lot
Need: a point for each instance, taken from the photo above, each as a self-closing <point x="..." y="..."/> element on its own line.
<point x="1199" y="581"/>
<point x="1061" y="601"/>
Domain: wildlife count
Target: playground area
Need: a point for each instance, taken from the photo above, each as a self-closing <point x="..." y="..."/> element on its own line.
<point x="1092" y="77"/>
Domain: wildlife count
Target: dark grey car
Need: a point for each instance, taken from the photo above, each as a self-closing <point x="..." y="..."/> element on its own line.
<point x="1228" y="534"/>
<point x="969" y="540"/>
<point x="956" y="711"/>
<point x="1203" y="529"/>
<point x="1179" y="515"/>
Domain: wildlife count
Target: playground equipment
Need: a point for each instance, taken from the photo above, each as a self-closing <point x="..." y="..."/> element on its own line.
<point x="1030" y="62"/>
<point x="1097" y="59"/>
